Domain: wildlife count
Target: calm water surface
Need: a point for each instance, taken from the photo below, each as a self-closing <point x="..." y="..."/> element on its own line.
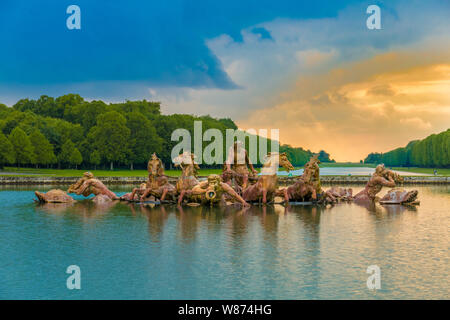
<point x="144" y="252"/>
<point x="353" y="171"/>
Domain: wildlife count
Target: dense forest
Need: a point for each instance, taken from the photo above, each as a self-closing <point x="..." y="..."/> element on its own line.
<point x="433" y="151"/>
<point x="69" y="132"/>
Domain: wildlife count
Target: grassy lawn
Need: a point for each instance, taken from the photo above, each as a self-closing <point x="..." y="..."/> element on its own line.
<point x="440" y="171"/>
<point x="32" y="172"/>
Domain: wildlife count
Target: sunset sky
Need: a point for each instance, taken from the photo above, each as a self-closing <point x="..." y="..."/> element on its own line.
<point x="311" y="69"/>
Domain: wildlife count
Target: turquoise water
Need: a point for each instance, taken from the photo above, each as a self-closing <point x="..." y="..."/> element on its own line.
<point x="143" y="252"/>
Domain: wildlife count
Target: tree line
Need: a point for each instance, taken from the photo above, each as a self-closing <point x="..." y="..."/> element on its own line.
<point x="433" y="151"/>
<point x="69" y="132"/>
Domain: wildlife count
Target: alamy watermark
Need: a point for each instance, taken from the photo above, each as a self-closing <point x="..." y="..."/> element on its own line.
<point x="74" y="280"/>
<point x="374" y="20"/>
<point x="235" y="143"/>
<point x="74" y="20"/>
<point x="374" y="280"/>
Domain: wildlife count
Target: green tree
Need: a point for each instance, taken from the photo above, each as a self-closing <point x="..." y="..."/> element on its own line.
<point x="22" y="146"/>
<point x="67" y="149"/>
<point x="143" y="138"/>
<point x="324" y="156"/>
<point x="433" y="151"/>
<point x="95" y="158"/>
<point x="111" y="137"/>
<point x="43" y="149"/>
<point x="75" y="158"/>
<point x="90" y="112"/>
<point x="7" y="153"/>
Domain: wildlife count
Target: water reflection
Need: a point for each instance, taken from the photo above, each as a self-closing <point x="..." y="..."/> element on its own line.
<point x="398" y="209"/>
<point x="271" y="252"/>
<point x="156" y="217"/>
<point x="84" y="208"/>
<point x="192" y="218"/>
<point x="370" y="206"/>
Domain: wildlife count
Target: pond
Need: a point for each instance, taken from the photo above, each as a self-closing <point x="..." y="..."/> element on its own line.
<point x="129" y="251"/>
<point x="354" y="171"/>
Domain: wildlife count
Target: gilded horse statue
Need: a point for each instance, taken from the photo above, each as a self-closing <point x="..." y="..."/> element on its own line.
<point x="307" y="187"/>
<point x="188" y="178"/>
<point x="265" y="188"/>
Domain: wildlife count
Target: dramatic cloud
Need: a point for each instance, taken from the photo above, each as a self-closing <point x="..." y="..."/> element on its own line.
<point x="348" y="120"/>
<point x="333" y="84"/>
<point x="125" y="46"/>
<point x="311" y="69"/>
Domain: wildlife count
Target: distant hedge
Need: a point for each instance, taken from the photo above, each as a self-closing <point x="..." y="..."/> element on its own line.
<point x="433" y="151"/>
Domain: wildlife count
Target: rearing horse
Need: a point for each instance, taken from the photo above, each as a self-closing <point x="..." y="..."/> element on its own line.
<point x="266" y="186"/>
<point x="189" y="169"/>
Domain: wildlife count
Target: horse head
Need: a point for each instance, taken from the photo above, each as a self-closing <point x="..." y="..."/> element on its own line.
<point x="275" y="159"/>
<point x="155" y="166"/>
<point x="187" y="163"/>
<point x="285" y="163"/>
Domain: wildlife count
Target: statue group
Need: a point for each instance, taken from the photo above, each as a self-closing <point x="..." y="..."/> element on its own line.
<point x="238" y="183"/>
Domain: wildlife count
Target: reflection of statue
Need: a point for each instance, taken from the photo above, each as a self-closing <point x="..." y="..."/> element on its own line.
<point x="54" y="196"/>
<point x="101" y="199"/>
<point x="211" y="191"/>
<point x="157" y="217"/>
<point x="381" y="177"/>
<point x="89" y="185"/>
<point x="236" y="164"/>
<point x="266" y="186"/>
<point x="83" y="208"/>
<point x="56" y="208"/>
<point x="399" y="209"/>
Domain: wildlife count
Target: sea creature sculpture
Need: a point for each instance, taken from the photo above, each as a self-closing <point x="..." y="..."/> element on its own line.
<point x="211" y="191"/>
<point x="400" y="196"/>
<point x="89" y="185"/>
<point x="341" y="194"/>
<point x="265" y="188"/>
<point x="54" y="196"/>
